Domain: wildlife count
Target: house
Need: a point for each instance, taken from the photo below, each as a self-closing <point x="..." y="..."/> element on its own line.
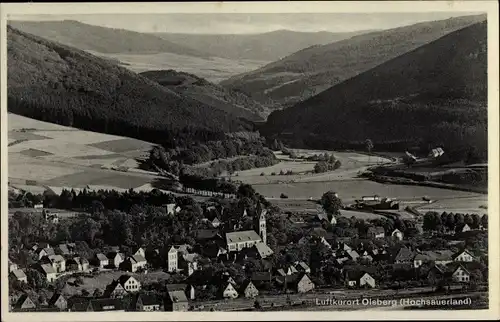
<point x="58" y="301"/>
<point x="397" y="234"/>
<point x="262" y="280"/>
<point x="440" y="257"/>
<point x="229" y="291"/>
<point x="129" y="283"/>
<point x="249" y="290"/>
<point x="205" y="235"/>
<point x="216" y="222"/>
<point x="402" y="255"/>
<point x="359" y="279"/>
<point x="323" y="217"/>
<point x="302" y="267"/>
<point x="77" y="264"/>
<point x="463" y="256"/>
<point x="186" y="288"/>
<point x="12" y="266"/>
<point x="139" y="251"/>
<point x="172" y="209"/>
<point x="352" y="255"/>
<point x="287" y="271"/>
<point x="147" y="303"/>
<point x="38" y="206"/>
<point x="461" y="275"/>
<point x="19" y="275"/>
<point x="462" y="228"/>
<point x="66" y="249"/>
<point x="189" y="263"/>
<point x="114" y="290"/>
<point x="238" y="240"/>
<point x="57" y="261"/>
<point x="105" y="305"/>
<point x="101" y="260"/>
<point x="48" y="271"/>
<point x="176" y="301"/>
<point x="116" y="259"/>
<point x="78" y="304"/>
<point x="376" y="232"/>
<point x="173" y="260"/>
<point x="42" y="252"/>
<point x="299" y="282"/>
<point x="24" y="303"/>
<point x="134" y="263"/>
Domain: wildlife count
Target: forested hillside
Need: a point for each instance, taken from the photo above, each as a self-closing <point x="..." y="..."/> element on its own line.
<point x="312" y="70"/>
<point x="434" y="95"/>
<point x="60" y="84"/>
<point x="209" y="93"/>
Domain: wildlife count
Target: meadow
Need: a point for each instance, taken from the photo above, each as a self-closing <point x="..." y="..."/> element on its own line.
<point x="43" y="153"/>
<point x="214" y="69"/>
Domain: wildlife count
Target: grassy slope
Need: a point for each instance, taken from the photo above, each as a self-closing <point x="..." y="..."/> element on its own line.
<point x="211" y="94"/>
<point x="268" y="46"/>
<point x="436" y="92"/>
<point x="100" y="39"/>
<point x="43" y="75"/>
<point x="312" y="70"/>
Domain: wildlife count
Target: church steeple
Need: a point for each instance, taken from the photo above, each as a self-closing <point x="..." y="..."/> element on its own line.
<point x="260" y="222"/>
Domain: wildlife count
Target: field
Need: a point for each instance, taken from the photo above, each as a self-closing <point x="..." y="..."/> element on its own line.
<point x="45" y="154"/>
<point x="213" y="69"/>
<point x="105" y="278"/>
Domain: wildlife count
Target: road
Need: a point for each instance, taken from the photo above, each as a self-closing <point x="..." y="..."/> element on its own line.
<point x="324" y="294"/>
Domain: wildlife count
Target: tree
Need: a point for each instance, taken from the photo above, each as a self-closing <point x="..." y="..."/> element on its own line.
<point x="321" y="167"/>
<point x="331" y="203"/>
<point x="484" y="221"/>
<point x="369" y="147"/>
<point x="36" y="279"/>
<point x="97" y="293"/>
<point x="476" y="221"/>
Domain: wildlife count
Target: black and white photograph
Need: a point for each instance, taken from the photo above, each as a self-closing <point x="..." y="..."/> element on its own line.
<point x="216" y="160"/>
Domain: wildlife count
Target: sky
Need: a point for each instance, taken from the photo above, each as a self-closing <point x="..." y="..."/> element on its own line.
<point x="240" y="23"/>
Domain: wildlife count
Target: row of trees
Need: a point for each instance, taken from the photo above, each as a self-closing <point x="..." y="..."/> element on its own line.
<point x="434" y="221"/>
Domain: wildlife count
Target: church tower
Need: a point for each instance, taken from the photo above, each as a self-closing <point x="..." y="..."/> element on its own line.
<point x="260" y="222"/>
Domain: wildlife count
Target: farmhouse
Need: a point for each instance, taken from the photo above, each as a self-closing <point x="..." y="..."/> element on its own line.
<point x="463" y="256"/>
<point x="186" y="288"/>
<point x="249" y="290"/>
<point x="134" y="263"/>
<point x="440" y="257"/>
<point x="147" y="303"/>
<point x="238" y="240"/>
<point x="115" y="259"/>
<point x="19" y="275"/>
<point x="58" y="301"/>
<point x="461" y="275"/>
<point x="42" y="252"/>
<point x="124" y="284"/>
<point x="24" y="303"/>
<point x="66" y="249"/>
<point x="48" y="271"/>
<point x="359" y="279"/>
<point x="403" y="255"/>
<point x="299" y="282"/>
<point x="228" y="291"/>
<point x="176" y="301"/>
<point x="57" y="261"/>
<point x="376" y="232"/>
<point x="101" y="260"/>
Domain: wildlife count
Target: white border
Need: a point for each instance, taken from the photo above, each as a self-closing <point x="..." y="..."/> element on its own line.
<point x="491" y="7"/>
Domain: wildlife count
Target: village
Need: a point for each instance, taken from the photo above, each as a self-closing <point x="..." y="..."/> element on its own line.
<point x="245" y="253"/>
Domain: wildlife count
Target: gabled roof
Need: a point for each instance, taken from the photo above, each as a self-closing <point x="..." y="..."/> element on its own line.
<point x="48" y="251"/>
<point x="99" y="305"/>
<point x="246" y="284"/>
<point x="149" y="299"/>
<point x="177" y="287"/>
<point x="47" y="269"/>
<point x="56" y="258"/>
<point x="124" y="278"/>
<point x="303" y="265"/>
<point x="435" y="255"/>
<point x="461" y="252"/>
<point x="202" y="234"/>
<point x="18" y="273"/>
<point x="242" y="236"/>
<point x="263" y="250"/>
<point x="113" y="255"/>
<point x="21" y="300"/>
<point x="177" y="296"/>
<point x="64" y="249"/>
<point x="137" y="258"/>
<point x="356" y="275"/>
<point x="101" y="257"/>
<point x="54" y="298"/>
<point x="78" y="304"/>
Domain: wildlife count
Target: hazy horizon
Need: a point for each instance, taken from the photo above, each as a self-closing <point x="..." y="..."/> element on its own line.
<point x="238" y="23"/>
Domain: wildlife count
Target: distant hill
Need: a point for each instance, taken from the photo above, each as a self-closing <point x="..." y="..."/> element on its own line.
<point x="268" y="46"/>
<point x="314" y="69"/>
<point x="101" y="39"/>
<point x="435" y="95"/>
<point x="56" y="83"/>
<point x="209" y="93"/>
